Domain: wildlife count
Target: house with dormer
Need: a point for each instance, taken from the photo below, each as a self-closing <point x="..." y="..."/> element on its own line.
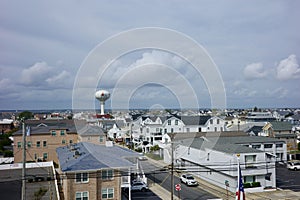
<point x="156" y="128"/>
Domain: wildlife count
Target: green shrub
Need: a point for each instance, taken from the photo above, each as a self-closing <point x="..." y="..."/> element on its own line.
<point x="247" y="185"/>
<point x="255" y="184"/>
<point x="139" y="150"/>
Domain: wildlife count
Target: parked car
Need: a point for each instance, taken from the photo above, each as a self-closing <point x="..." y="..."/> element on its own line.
<point x="143" y="158"/>
<point x="139" y="186"/>
<point x="294" y="165"/>
<point x="188" y="179"/>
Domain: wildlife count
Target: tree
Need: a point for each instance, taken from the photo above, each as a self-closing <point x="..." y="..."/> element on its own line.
<point x="154" y="148"/>
<point x="25" y="115"/>
<point x="255" y="109"/>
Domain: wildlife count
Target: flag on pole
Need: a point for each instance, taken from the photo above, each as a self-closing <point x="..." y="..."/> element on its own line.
<point x="240" y="194"/>
<point x="28" y="131"/>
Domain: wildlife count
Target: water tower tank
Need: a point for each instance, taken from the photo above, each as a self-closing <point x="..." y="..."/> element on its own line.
<point x="102" y="96"/>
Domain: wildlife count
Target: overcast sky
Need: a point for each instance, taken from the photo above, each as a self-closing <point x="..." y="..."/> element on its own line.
<point x="254" y="44"/>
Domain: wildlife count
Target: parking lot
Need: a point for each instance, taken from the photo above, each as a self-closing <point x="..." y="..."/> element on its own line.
<point x="287" y="179"/>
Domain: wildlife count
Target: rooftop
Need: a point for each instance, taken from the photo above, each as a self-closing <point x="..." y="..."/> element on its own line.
<point x="88" y="156"/>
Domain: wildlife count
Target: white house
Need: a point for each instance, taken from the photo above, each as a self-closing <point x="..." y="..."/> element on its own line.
<point x="154" y="129"/>
<point x="214" y="159"/>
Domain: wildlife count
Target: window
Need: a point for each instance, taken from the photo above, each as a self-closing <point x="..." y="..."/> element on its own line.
<point x="71" y="141"/>
<point x="187" y="129"/>
<point x="172" y="130"/>
<point x="169" y="122"/>
<point x="63" y="141"/>
<point x="280" y="145"/>
<point x="208" y="156"/>
<point x="268" y="146"/>
<point x="218" y="121"/>
<point x="250" y="161"/>
<point x="82" y="195"/>
<point x="53" y="133"/>
<point x="19" y="144"/>
<point x="211" y="121"/>
<point x="44" y="143"/>
<point x="216" y="129"/>
<point x="36" y="156"/>
<point x="45" y="156"/>
<point x="101" y="139"/>
<point x="176" y="122"/>
<point x="82" y="177"/>
<point x="255" y="146"/>
<point x="62" y="132"/>
<point x="38" y="143"/>
<point x="107" y="174"/>
<point x="157" y="130"/>
<point x="107" y="193"/>
<point x="29" y="144"/>
<point x="165" y="130"/>
<point x="249" y="179"/>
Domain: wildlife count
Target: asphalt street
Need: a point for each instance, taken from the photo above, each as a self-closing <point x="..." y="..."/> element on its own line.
<point x="162" y="177"/>
<point x="287" y="179"/>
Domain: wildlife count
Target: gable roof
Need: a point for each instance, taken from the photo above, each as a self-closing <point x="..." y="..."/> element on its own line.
<point x="94" y="157"/>
<point x="281" y="126"/>
<point x="195" y="120"/>
<point x="42" y="130"/>
<point x="255" y="129"/>
<point x="90" y="130"/>
<point x="202" y="143"/>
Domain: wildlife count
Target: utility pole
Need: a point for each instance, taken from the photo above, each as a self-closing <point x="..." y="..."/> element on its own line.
<point x="129" y="188"/>
<point x="172" y="170"/>
<point x="24" y="162"/>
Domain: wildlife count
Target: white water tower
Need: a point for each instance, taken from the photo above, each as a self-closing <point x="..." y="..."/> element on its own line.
<point x="102" y="96"/>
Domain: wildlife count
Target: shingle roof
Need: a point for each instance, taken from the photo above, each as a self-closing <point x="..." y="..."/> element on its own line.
<point x="201" y="143"/>
<point x="41" y="130"/>
<point x="93" y="157"/>
<point x="228" y="144"/>
<point x="281" y="126"/>
<point x="255" y="129"/>
<point x="195" y="120"/>
<point x="91" y="130"/>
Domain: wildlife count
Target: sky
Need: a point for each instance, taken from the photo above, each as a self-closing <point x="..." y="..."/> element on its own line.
<point x="254" y="45"/>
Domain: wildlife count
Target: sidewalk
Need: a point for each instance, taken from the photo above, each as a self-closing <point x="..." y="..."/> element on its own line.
<point x="222" y="193"/>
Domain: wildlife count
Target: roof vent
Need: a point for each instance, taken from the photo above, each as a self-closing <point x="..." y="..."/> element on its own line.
<point x="77" y="154"/>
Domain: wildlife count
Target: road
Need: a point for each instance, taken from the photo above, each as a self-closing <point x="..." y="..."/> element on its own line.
<point x="163" y="177"/>
<point x="287" y="179"/>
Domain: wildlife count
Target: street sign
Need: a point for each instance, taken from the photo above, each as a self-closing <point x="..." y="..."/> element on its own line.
<point x="177" y="187"/>
<point x="227" y="183"/>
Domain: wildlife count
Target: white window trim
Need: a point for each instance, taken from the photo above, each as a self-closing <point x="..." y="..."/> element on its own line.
<point x="107" y="178"/>
<point x="81" y="192"/>
<point x="113" y="192"/>
<point x="81" y="177"/>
